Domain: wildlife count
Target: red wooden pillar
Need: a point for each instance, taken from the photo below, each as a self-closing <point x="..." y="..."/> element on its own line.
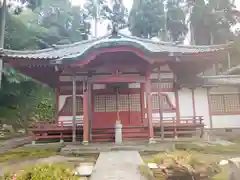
<point x="149" y="106"/>
<point x="177" y="106"/>
<point x="85" y="115"/>
<point x="142" y="90"/>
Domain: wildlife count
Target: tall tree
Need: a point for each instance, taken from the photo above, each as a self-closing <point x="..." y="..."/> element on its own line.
<point x="212" y="21"/>
<point x="65" y="23"/>
<point x="113" y="11"/>
<point x="146" y="18"/>
<point x="149" y="18"/>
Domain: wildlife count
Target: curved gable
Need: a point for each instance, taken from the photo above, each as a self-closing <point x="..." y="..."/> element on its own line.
<point x="165" y="101"/>
<point x="67" y="107"/>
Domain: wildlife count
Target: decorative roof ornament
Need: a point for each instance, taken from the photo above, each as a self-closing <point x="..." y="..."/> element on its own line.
<point x="115" y="31"/>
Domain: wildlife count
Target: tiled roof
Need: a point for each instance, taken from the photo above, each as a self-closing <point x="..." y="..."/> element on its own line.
<point x="222" y="80"/>
<point x="209" y="81"/>
<point x="233" y="70"/>
<point x="76" y="50"/>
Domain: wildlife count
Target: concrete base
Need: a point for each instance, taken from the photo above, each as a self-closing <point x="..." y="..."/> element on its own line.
<point x="61" y="141"/>
<point x="151" y="141"/>
<point x="118" y="132"/>
<point x="85" y="142"/>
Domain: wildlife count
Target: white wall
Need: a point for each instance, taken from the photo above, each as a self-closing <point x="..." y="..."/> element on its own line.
<point x="66" y="119"/>
<point x="185" y="102"/>
<point x="226" y="121"/>
<point x="202" y="105"/>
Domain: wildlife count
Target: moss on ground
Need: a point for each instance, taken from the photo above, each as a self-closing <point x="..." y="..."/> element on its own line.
<point x="207" y="153"/>
<point x="209" y="149"/>
<point x="185" y="158"/>
<point x="29" y="153"/>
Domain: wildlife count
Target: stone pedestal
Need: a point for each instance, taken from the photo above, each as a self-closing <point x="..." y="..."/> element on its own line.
<point x="234" y="168"/>
<point x="85" y="142"/>
<point x="151" y="141"/>
<point x="118" y="132"/>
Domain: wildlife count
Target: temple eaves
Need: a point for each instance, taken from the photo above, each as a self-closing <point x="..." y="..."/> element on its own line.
<point x="59" y="53"/>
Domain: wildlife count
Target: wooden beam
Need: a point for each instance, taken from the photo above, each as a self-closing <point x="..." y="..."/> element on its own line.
<point x="90" y="109"/>
<point x="149" y="106"/>
<point x="142" y="102"/>
<point x="209" y="109"/>
<point x="74" y="108"/>
<point x="193" y="103"/>
<point x="117" y="79"/>
<point x="85" y="114"/>
<point x="177" y="105"/>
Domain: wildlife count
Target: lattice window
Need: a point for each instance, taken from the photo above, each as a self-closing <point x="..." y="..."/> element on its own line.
<point x="232" y="103"/>
<point x="111" y="103"/>
<point x="67" y="107"/>
<point x="155" y="102"/>
<point x="126" y="102"/>
<point x="162" y="85"/>
<point x="100" y="103"/>
<point x="164" y="103"/>
<point x="217" y="103"/>
<point x="135" y="102"/>
<point x="123" y="104"/>
<point x="227" y="103"/>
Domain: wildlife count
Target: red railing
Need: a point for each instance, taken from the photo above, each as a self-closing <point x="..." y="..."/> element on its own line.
<point x="186" y="126"/>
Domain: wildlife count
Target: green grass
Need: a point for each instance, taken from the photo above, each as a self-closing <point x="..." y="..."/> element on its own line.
<point x="8" y="136"/>
<point x="29" y="153"/>
<point x="210" y="149"/>
<point x="207" y="153"/>
<point x="208" y="160"/>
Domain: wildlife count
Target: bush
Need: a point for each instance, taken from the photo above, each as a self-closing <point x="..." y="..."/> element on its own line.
<point x="182" y="165"/>
<point x="45" y="172"/>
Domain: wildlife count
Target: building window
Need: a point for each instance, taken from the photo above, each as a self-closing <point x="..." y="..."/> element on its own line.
<point x="135" y="102"/>
<point x="67" y="107"/>
<point x="108" y="103"/>
<point x="100" y="103"/>
<point x="123" y="102"/>
<point x="225" y="103"/>
<point x="162" y="85"/>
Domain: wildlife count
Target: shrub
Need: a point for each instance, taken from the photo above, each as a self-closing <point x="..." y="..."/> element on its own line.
<point x="45" y="172"/>
<point x="182" y="165"/>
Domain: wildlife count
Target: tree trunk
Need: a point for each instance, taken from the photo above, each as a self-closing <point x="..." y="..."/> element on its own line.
<point x="2" y="31"/>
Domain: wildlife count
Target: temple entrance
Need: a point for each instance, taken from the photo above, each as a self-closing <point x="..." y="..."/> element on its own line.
<point x="116" y="102"/>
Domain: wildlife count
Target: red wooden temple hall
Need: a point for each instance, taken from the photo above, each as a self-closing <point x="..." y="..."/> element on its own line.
<point x="138" y="82"/>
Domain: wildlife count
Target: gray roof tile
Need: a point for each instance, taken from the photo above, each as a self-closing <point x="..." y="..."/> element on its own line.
<point x="80" y="48"/>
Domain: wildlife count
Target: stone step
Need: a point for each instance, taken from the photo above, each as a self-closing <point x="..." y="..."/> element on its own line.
<point x="117" y="165"/>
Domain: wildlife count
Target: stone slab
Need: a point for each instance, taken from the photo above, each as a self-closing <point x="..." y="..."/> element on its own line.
<point x="118" y="165"/>
<point x="84" y="169"/>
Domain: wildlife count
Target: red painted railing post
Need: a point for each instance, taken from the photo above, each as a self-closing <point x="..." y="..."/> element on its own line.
<point x="85" y="117"/>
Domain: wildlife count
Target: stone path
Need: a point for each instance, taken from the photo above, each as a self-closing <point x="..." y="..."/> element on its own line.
<point x="118" y="165"/>
<point x="13" y="143"/>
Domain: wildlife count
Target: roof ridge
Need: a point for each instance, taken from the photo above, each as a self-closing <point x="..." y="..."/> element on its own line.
<point x="220" y="76"/>
<point x="175" y="44"/>
<point x="146" y="40"/>
<point x="79" y="42"/>
<point x="26" y="51"/>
